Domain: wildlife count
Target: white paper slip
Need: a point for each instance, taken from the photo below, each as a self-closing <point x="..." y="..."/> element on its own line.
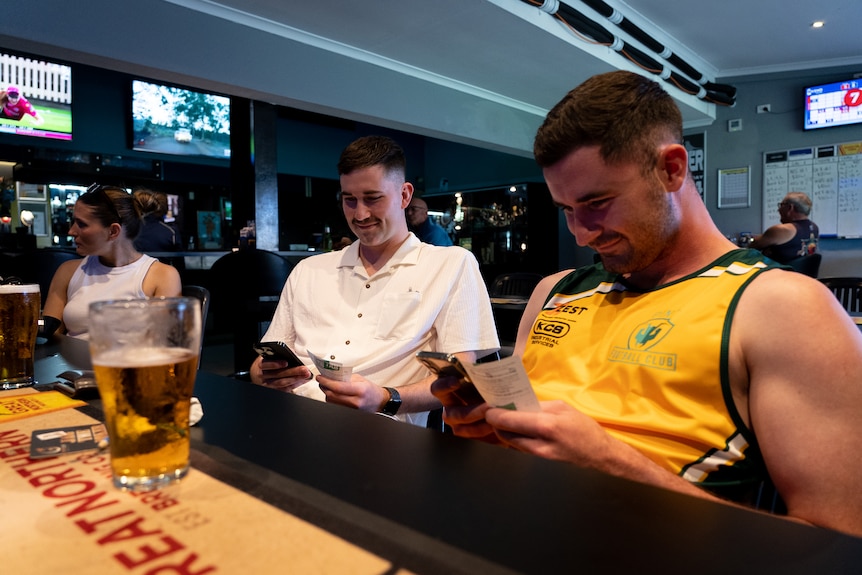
<point x="331" y="369"/>
<point x="504" y="383"/>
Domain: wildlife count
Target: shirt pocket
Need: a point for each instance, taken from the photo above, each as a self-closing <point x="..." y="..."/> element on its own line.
<point x="399" y="318"/>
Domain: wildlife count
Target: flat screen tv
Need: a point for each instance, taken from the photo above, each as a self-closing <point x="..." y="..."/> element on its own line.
<point x="35" y="97"/>
<point x="837" y="104"/>
<point x="179" y="121"/>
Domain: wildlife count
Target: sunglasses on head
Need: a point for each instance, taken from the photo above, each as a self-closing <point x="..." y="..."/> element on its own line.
<point x="100" y="192"/>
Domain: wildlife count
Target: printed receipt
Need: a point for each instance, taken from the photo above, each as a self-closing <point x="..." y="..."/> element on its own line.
<point x="331" y="369"/>
<point x="504" y="383"/>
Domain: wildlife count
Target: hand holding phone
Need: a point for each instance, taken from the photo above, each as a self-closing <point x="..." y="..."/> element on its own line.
<point x="277" y="350"/>
<point x="444" y="365"/>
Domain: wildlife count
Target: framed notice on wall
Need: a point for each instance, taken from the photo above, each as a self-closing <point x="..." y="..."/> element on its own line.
<point x="734" y="188"/>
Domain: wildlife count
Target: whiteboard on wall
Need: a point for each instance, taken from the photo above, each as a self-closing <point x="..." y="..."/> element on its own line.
<point x="831" y="175"/>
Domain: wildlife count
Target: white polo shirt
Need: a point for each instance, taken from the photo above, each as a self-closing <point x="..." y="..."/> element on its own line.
<point x="425" y="298"/>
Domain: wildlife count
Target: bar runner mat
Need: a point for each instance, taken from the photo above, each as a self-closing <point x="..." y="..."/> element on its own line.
<point x="63" y="515"/>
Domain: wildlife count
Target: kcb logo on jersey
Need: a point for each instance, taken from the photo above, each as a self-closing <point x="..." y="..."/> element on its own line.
<point x="552" y="328"/>
<point x="649" y="333"/>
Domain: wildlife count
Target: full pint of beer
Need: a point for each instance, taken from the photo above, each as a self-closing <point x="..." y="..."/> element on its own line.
<point x="145" y="357"/>
<point x="19" y="324"/>
<point x="146" y="397"/>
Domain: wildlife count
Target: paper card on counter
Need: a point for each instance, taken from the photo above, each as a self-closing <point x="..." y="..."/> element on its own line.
<point x="504" y="383"/>
<point x="331" y="369"/>
<point x="61" y="440"/>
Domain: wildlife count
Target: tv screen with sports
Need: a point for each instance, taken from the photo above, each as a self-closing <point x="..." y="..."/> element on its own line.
<point x="179" y="121"/>
<point x="35" y="97"/>
<point x="837" y="104"/>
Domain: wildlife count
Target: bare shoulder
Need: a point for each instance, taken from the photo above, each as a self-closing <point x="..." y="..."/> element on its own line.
<point x="67" y="269"/>
<point x="162" y="280"/>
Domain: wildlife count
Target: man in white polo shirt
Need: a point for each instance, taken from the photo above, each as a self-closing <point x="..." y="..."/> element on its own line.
<point x="374" y="304"/>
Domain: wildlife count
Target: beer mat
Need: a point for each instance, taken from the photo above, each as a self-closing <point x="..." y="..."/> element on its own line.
<point x="68" y="439"/>
<point x="34" y="403"/>
<point x="68" y="517"/>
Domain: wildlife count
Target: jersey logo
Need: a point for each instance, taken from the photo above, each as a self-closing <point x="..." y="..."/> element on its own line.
<point x="639" y="347"/>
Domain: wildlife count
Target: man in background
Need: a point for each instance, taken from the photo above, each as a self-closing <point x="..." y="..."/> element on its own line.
<point x="795" y="236"/>
<point x="424" y="228"/>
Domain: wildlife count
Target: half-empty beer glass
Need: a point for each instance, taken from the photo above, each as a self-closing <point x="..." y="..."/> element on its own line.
<point x="19" y="325"/>
<point x="145" y="357"/>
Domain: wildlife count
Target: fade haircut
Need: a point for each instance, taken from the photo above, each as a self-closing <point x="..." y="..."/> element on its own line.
<point x="625" y="114"/>
<point x="373" y="151"/>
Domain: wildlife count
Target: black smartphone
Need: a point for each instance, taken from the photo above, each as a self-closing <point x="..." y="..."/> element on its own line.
<point x="445" y="364"/>
<point x="277" y="350"/>
<point x="442" y="364"/>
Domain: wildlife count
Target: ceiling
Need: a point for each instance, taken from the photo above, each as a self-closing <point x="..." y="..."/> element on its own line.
<point x="479" y="72"/>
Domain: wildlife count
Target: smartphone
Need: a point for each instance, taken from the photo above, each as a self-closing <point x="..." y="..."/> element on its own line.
<point x="444" y="365"/>
<point x="277" y="350"/>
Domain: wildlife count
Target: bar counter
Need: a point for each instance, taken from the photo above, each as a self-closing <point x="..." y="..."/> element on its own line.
<point x="434" y="503"/>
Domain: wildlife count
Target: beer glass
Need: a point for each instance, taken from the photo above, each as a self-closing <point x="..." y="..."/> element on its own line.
<point x="145" y="357"/>
<point x="19" y="324"/>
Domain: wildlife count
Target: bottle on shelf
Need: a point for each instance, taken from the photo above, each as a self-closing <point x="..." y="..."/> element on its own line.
<point x="326" y="245"/>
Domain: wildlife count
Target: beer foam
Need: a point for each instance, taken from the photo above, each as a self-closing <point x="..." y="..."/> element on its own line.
<point x="142" y="356"/>
<point x="24" y="288"/>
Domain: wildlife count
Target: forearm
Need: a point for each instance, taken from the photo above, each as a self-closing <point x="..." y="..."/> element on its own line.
<point x="416" y="397"/>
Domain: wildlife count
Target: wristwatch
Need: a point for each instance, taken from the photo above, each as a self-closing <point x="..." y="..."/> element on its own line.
<point x="392" y="406"/>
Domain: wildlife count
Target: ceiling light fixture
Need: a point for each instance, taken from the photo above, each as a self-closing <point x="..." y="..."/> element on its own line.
<point x="818" y="24"/>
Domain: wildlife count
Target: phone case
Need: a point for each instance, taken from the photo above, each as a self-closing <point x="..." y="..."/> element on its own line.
<point x="277" y="350"/>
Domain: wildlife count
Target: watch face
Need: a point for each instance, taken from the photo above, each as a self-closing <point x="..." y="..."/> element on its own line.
<point x="394" y="404"/>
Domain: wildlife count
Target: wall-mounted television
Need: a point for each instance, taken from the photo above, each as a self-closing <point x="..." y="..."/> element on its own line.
<point x="179" y="121"/>
<point x="35" y="97"/>
<point x="836" y="104"/>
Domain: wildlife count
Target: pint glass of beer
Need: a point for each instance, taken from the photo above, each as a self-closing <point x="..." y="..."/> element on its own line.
<point x="145" y="357"/>
<point x="19" y="324"/>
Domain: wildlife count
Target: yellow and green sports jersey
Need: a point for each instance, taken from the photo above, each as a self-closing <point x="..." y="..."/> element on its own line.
<point x="651" y="367"/>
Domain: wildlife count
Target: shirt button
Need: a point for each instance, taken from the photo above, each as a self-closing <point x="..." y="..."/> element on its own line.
<point x="367" y="286"/>
<point x="347" y="342"/>
<point x="359" y="315"/>
<point x="332" y="357"/>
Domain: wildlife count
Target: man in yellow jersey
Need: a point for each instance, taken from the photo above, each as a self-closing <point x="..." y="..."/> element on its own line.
<point x="679" y="360"/>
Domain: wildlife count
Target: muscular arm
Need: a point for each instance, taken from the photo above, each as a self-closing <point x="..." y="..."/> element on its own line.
<point x="802" y="355"/>
<point x="773" y="236"/>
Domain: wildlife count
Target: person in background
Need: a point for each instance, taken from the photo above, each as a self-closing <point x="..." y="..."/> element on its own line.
<point x="14" y="106"/>
<point x="678" y="359"/>
<point x="784" y="242"/>
<point x="424" y="228"/>
<point x="105" y="223"/>
<point x="374" y="304"/>
<point x="156" y="234"/>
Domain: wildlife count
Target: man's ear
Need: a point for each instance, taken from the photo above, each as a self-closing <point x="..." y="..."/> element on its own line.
<point x="672" y="166"/>
<point x="406" y="194"/>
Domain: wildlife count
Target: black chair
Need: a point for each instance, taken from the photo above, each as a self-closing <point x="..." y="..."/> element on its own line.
<point x="202" y="294"/>
<point x="245" y="287"/>
<point x="39" y="266"/>
<point x="848" y="290"/>
<point x="512" y="285"/>
<point x="808" y="265"/>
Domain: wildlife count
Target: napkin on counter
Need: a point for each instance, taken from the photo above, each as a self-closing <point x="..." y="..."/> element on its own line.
<point x="196" y="412"/>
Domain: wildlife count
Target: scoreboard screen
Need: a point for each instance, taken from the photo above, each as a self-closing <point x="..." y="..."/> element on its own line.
<point x="835" y="104"/>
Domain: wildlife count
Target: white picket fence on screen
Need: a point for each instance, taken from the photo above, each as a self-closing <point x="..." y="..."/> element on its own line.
<point x="37" y="79"/>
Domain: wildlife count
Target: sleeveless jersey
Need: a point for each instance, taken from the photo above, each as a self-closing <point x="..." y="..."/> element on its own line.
<point x="651" y="367"/>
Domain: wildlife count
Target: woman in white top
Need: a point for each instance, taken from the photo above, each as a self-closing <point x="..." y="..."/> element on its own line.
<point x="105" y="223"/>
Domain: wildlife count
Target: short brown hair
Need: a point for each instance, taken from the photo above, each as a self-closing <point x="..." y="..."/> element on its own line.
<point x="373" y="151"/>
<point x="625" y="114"/>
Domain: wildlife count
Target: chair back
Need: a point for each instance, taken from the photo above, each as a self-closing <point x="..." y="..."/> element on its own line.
<point x="202" y="294"/>
<point x="807" y="264"/>
<point x="38" y="266"/>
<point x="848" y="290"/>
<point x="245" y="286"/>
<point x="519" y="284"/>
